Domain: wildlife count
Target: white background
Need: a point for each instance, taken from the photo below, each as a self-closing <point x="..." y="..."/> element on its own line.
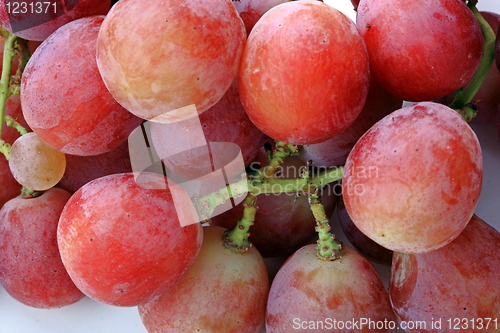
<point x="88" y="316"/>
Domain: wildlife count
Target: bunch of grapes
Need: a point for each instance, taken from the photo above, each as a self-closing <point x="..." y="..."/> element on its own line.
<point x="256" y="166"/>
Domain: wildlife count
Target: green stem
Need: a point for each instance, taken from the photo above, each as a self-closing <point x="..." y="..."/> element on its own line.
<point x="238" y="239"/>
<point x="328" y="246"/>
<point x="464" y="96"/>
<point x="281" y="151"/>
<point x="8" y="54"/>
<point x="24" y="56"/>
<point x="5" y="149"/>
<point x="207" y="204"/>
<point x="11" y="122"/>
<point x="26" y="193"/>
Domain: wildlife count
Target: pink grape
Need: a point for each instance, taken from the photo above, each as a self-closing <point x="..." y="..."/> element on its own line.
<point x="220" y="281"/>
<point x="459" y="280"/>
<point x="35" y="164"/>
<point x="412" y="182"/>
<point x="65" y="101"/>
<point x="122" y="243"/>
<point x="420" y="50"/>
<point x="308" y="293"/>
<point x="43" y="18"/>
<point x="31" y="270"/>
<point x="304" y="72"/>
<point x="174" y="54"/>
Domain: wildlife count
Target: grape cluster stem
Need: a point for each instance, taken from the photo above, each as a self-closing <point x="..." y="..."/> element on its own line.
<point x="464" y="96"/>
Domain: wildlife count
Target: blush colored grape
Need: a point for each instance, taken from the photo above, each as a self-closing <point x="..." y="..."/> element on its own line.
<point x="304" y="72"/>
<point x="174" y="54"/>
<point x="220" y="281"/>
<point x="306" y="291"/>
<point x="122" y="243"/>
<point x="64" y="99"/>
<point x="31" y="270"/>
<point x="412" y="182"/>
<point x="420" y="50"/>
<point x="459" y="280"/>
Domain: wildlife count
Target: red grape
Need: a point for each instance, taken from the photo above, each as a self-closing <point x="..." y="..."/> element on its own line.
<point x="37" y="20"/>
<point x="220" y="281"/>
<point x="308" y="293"/>
<point x="412" y="182"/>
<point x="65" y="101"/>
<point x="333" y="152"/>
<point x="31" y="270"/>
<point x="304" y="72"/>
<point x="174" y="54"/>
<point x="454" y="285"/>
<point x="420" y="50"/>
<point x="122" y="243"/>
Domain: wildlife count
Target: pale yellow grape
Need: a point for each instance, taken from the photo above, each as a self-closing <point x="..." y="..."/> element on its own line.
<point x="35" y="164"/>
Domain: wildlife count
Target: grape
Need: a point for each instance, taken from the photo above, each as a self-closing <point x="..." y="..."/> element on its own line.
<point x="175" y="54"/>
<point x="252" y="10"/>
<point x="219" y="282"/>
<point x="360" y="241"/>
<point x="31" y="270"/>
<point x="35" y="164"/>
<point x="304" y="73"/>
<point x="308" y="292"/>
<point x="65" y="101"/>
<point x="333" y="152"/>
<point x="412" y="182"/>
<point x="459" y="280"/>
<point x="83" y="169"/>
<point x="420" y="50"/>
<point x="487" y="98"/>
<point x="283" y="223"/>
<point x="40" y="19"/>
<point x="122" y="243"/>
